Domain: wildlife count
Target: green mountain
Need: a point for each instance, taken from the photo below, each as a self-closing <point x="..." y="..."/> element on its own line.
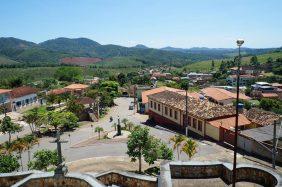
<point x="51" y="51"/>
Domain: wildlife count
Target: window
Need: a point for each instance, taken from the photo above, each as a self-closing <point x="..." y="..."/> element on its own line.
<point x="165" y="110"/>
<point x="155" y="105"/>
<point x="170" y="112"/>
<point x="159" y="107"/>
<point x="194" y="123"/>
<point x="200" y="125"/>
<point x="175" y="115"/>
<point x="151" y="104"/>
<point x="189" y="120"/>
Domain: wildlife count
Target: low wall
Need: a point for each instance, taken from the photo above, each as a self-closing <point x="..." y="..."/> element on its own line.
<point x="8" y="179"/>
<point x="205" y="170"/>
<point x="48" y="179"/>
<point x="126" y="179"/>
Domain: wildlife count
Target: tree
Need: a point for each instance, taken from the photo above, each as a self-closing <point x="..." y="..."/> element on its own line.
<point x="166" y="152"/>
<point x="56" y="119"/>
<point x="137" y="144"/>
<point x="7" y="126"/>
<point x="184" y="84"/>
<point x="121" y="79"/>
<point x="177" y="140"/>
<point x="99" y="130"/>
<point x="35" y="118"/>
<point x="212" y="65"/>
<point x="51" y="98"/>
<point x="74" y="107"/>
<point x="269" y="64"/>
<point x="8" y="163"/>
<point x="254" y="61"/>
<point x="70" y="120"/>
<point x="70" y="74"/>
<point x="6" y="148"/>
<point x="30" y="140"/>
<point x="140" y="144"/>
<point x="189" y="148"/>
<point x="129" y="126"/>
<point x="19" y="146"/>
<point x="43" y="159"/>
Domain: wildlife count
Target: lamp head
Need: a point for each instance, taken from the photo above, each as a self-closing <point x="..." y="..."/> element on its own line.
<point x="240" y="42"/>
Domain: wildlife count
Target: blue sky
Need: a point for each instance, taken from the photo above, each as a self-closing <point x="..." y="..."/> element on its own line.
<point x="155" y="23"/>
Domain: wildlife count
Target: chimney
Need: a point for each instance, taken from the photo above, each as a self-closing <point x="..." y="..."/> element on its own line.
<point x="240" y="108"/>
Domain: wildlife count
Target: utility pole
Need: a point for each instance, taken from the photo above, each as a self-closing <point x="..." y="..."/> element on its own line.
<point x="234" y="176"/>
<point x="135" y="100"/>
<point x="274" y="144"/>
<point x="186" y="124"/>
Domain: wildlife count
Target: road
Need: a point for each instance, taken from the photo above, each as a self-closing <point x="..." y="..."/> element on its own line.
<point x="206" y="150"/>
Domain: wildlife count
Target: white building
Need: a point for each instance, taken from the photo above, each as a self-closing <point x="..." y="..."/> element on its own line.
<point x="23" y="96"/>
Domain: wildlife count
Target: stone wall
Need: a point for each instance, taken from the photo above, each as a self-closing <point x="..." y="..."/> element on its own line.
<point x="50" y="182"/>
<point x="205" y="170"/>
<point x="126" y="179"/>
<point x="7" y="180"/>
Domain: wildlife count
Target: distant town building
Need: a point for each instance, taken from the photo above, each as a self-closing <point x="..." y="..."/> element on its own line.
<point x="92" y="81"/>
<point x="266" y="90"/>
<point x="23" y="96"/>
<point x="5" y="99"/>
<point x="58" y="91"/>
<point x="222" y="96"/>
<point x="245" y="70"/>
<point x="77" y="89"/>
<point x="244" y="80"/>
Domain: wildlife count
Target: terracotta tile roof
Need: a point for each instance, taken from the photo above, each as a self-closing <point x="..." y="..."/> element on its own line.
<point x="269" y="95"/>
<point x="23" y="91"/>
<point x="227" y="123"/>
<point x="243" y="76"/>
<point x="85" y="100"/>
<point x="77" y="86"/>
<point x="146" y="93"/>
<point x="200" y="108"/>
<point x="57" y="91"/>
<point x="4" y="91"/>
<point x="222" y="94"/>
<point x="261" y="117"/>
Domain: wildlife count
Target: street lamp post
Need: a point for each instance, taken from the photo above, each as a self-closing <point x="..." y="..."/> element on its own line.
<point x="239" y="44"/>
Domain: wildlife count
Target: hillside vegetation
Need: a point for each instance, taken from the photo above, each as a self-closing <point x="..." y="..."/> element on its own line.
<point x="205" y="66"/>
<point x="5" y="60"/>
<point x="51" y="51"/>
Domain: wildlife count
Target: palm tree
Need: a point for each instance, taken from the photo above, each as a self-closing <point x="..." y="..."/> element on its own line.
<point x="129" y="126"/>
<point x="125" y="122"/>
<point x="6" y="148"/>
<point x="115" y="126"/>
<point x="19" y="145"/>
<point x="177" y="140"/>
<point x="30" y="140"/>
<point x="99" y="130"/>
<point x="190" y="148"/>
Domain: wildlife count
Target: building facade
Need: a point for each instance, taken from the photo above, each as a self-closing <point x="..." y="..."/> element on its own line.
<point x="169" y="109"/>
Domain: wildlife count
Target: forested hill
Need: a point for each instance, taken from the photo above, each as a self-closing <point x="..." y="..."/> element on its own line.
<point x="50" y="51"/>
